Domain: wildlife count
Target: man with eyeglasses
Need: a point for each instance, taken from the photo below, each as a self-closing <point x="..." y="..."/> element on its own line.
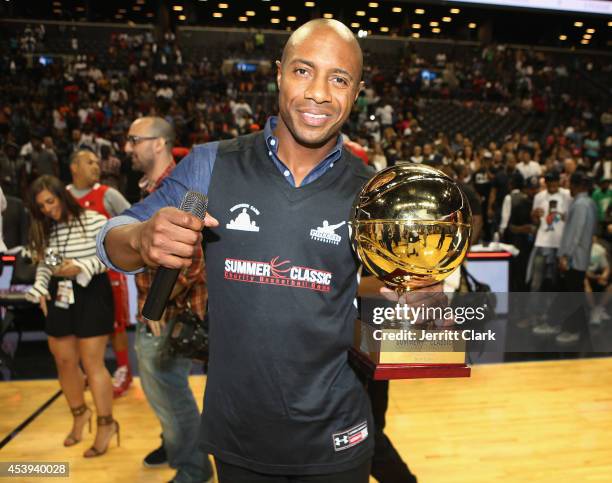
<point x="142" y="151"/>
<point x="165" y="381"/>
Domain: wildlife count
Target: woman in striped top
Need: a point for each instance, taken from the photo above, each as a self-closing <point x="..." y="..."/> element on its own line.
<point x="75" y="297"/>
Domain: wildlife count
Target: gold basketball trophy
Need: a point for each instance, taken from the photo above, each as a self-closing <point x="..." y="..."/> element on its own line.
<point x="410" y="227"/>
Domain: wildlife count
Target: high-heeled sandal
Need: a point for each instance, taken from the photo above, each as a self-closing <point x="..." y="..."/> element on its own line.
<point x="104" y="421"/>
<point x="71" y="439"/>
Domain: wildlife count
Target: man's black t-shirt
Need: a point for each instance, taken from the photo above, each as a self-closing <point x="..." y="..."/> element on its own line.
<point x="281" y="397"/>
<point x="502" y="184"/>
<point x="482" y="183"/>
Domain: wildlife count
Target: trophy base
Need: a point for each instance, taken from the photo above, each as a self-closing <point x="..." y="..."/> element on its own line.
<point x="391" y="356"/>
<point x="381" y="372"/>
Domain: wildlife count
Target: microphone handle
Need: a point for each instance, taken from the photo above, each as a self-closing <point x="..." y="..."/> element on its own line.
<point x="159" y="293"/>
<point x="165" y="278"/>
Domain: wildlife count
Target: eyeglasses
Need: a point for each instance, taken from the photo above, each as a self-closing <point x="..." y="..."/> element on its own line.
<point x="134" y="140"/>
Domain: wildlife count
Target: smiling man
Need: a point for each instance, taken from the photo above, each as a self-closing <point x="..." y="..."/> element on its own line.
<point x="282" y="403"/>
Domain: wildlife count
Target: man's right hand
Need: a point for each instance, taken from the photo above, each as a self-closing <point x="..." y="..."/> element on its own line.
<point x="170" y="238"/>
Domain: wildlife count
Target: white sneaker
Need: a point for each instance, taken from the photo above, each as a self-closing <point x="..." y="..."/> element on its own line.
<point x="603" y="314"/>
<point x="568" y="338"/>
<point x="546" y="329"/>
<point x="595" y="318"/>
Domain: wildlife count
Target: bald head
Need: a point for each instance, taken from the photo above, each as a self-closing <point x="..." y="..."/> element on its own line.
<point x="156" y="127"/>
<point x="318" y="79"/>
<point x="82" y="155"/>
<point x="85" y="169"/>
<point x="329" y="27"/>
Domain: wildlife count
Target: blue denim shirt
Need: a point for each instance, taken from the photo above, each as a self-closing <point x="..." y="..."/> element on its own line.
<point x="194" y="173"/>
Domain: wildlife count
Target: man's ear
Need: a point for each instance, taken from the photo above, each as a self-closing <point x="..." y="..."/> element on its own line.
<point x="159" y="144"/>
<point x="359" y="89"/>
<point x="279" y="74"/>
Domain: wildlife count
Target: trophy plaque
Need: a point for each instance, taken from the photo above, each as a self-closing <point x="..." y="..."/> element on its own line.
<point x="410" y="227"/>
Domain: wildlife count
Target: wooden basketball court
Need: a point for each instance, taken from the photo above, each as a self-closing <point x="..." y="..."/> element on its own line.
<point x="535" y="422"/>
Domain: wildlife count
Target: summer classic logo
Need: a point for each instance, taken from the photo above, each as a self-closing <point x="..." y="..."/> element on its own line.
<point x="277" y="272"/>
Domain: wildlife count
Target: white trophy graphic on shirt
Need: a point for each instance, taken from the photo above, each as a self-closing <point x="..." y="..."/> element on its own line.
<point x="243" y="220"/>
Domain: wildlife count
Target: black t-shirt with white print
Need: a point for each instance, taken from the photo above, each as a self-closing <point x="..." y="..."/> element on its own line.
<point x="281" y="397"/>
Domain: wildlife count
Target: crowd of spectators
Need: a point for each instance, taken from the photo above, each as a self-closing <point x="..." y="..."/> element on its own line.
<point x="49" y="111"/>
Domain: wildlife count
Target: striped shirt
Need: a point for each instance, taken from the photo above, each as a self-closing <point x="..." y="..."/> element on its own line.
<point x="74" y="242"/>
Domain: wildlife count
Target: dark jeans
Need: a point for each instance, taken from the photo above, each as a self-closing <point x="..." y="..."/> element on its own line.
<point x="575" y="316"/>
<point x="518" y="264"/>
<point x="166" y="385"/>
<point x="228" y="473"/>
<point x="387" y="464"/>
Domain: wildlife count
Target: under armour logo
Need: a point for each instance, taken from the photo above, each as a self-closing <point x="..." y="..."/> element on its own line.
<point x="343" y="440"/>
<point x="350" y="437"/>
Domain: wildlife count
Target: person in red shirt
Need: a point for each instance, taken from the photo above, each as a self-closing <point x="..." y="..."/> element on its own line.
<point x="90" y="194"/>
<point x="357" y="149"/>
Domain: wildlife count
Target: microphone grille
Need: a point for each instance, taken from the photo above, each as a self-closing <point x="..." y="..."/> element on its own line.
<point x="195" y="203"/>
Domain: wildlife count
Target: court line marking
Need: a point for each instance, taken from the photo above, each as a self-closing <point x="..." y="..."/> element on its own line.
<point x="24" y="424"/>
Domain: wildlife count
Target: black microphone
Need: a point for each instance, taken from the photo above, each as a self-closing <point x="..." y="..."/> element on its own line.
<point x="165" y="278"/>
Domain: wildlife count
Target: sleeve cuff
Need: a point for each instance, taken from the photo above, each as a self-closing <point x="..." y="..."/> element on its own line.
<point x="33" y="295"/>
<point x="84" y="276"/>
<point x="110" y="224"/>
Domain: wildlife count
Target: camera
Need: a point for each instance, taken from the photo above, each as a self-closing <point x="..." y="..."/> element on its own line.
<point x="52" y="258"/>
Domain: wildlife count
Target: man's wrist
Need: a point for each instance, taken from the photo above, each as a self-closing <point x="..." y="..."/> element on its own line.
<point x="119" y="247"/>
<point x="135" y="236"/>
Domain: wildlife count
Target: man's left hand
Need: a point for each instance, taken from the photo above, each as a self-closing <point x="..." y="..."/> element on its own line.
<point x="415" y="296"/>
<point x="431" y="296"/>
